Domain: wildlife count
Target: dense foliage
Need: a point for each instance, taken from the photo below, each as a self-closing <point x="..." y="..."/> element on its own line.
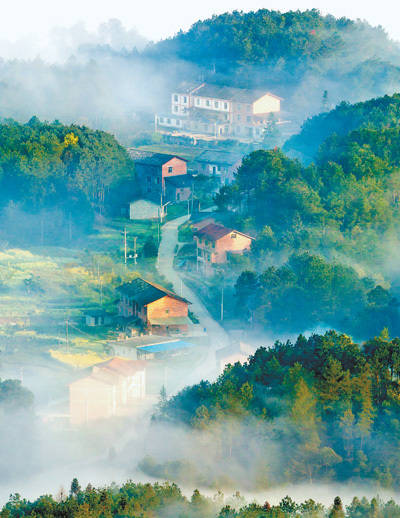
<point x="378" y="113"/>
<point x="348" y="203"/>
<point x="63" y="172"/>
<point x="297" y="54"/>
<point x="320" y="408"/>
<point x="308" y="291"/>
<point x="167" y="501"/>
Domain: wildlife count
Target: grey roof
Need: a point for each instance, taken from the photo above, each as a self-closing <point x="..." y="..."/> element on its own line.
<point x="96" y="313"/>
<point x="144" y="292"/>
<point x="240" y="95"/>
<point x="211" y="156"/>
<point x="157" y="159"/>
<point x="187" y="87"/>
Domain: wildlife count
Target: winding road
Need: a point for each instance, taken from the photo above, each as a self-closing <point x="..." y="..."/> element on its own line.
<point x="216" y="333"/>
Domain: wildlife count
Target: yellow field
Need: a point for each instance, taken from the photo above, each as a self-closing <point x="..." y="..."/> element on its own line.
<point x="78" y="360"/>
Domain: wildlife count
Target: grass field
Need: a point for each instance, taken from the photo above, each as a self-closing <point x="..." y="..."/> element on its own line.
<point x="43" y="287"/>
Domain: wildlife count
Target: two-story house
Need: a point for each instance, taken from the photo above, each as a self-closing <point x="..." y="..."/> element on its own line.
<point x="221" y="165"/>
<point x="160" y="311"/>
<point x="113" y="388"/>
<point x="214" y="242"/>
<point x="208" y="110"/>
<point x="153" y="169"/>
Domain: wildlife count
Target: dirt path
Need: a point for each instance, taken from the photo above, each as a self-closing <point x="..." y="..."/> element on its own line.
<point x="218" y="336"/>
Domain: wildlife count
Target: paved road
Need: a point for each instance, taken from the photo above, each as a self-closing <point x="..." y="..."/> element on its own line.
<point x="218" y="336"/>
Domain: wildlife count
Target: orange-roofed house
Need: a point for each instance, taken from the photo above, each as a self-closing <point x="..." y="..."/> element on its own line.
<point x="113" y="388"/>
<point x="160" y="311"/>
<point x="214" y="243"/>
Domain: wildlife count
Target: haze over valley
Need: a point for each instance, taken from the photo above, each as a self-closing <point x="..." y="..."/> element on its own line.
<point x="199" y="275"/>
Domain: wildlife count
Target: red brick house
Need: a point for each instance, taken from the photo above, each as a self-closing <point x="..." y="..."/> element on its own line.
<point x="114" y="388"/>
<point x="214" y="242"/>
<point x="153" y="169"/>
<point x="160" y="311"/>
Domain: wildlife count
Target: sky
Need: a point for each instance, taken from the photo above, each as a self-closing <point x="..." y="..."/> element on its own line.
<point x="25" y="24"/>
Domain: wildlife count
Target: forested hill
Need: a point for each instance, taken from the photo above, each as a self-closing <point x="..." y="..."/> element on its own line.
<point x="297" y="54"/>
<point x="68" y="171"/>
<point x="268" y="37"/>
<point x="319" y="409"/>
<point x="378" y="113"/>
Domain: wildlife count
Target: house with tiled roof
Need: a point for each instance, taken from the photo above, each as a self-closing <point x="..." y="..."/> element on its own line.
<point x="179" y="188"/>
<point x="214" y="242"/>
<point x="159" y="310"/>
<point x="152" y="169"/>
<point x="216" y="111"/>
<point x="222" y="165"/>
<point x="113" y="388"/>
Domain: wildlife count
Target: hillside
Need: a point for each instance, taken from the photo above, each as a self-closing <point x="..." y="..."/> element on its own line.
<point x="326" y="235"/>
<point x="376" y="113"/>
<point x="298" y="55"/>
<point x="320" y="408"/>
<point x="65" y="173"/>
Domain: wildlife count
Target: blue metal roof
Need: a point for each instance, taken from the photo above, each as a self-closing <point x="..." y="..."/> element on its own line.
<point x="165" y="347"/>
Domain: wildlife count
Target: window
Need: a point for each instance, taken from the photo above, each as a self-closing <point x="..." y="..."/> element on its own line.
<point x="185" y="99"/>
<point x="216" y="104"/>
<point x="176" y="108"/>
<point x="170" y="169"/>
<point x="148" y="189"/>
<point x="158" y="180"/>
<point x="239" y="107"/>
<point x="161" y="119"/>
<point x="238" y="117"/>
<point x="248" y="119"/>
<point x="226" y="106"/>
<point x="169" y="121"/>
<point x="233" y="236"/>
<point x="197" y="101"/>
<point x="175" y="98"/>
<point x="167" y="311"/>
<point x="207" y="103"/>
<point x="148" y="179"/>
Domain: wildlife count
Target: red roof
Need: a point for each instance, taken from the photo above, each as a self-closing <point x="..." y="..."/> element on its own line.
<point x="122" y="366"/>
<point x="214" y="232"/>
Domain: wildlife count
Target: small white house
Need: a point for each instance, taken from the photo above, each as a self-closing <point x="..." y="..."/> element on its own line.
<point x="144" y="209"/>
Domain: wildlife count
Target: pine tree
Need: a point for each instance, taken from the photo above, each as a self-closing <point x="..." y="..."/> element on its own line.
<point x="75" y="487"/>
<point x="337" y="509"/>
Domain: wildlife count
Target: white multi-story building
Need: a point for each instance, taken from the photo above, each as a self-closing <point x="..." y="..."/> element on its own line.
<point x="220" y="112"/>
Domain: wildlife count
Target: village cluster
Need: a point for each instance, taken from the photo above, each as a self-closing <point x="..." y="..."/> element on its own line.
<point x="162" y="324"/>
<point x="157" y="326"/>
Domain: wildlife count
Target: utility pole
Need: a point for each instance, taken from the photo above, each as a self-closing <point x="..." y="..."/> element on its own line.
<point x="134" y="249"/>
<point x="125" y="247"/>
